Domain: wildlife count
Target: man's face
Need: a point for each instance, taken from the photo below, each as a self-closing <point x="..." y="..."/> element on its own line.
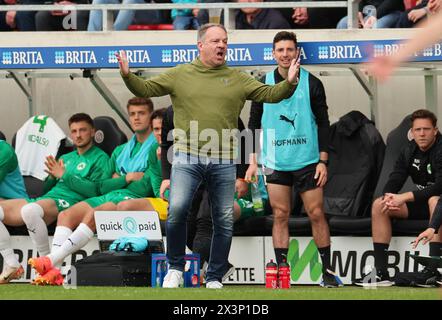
<point x="139" y="117"/>
<point x="424" y="133"/>
<point x="82" y="133"/>
<point x="250" y="10"/>
<point x="284" y="52"/>
<point x="213" y="47"/>
<point x="157" y="125"/>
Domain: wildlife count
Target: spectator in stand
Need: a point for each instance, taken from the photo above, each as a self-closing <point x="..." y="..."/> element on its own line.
<point x="7" y="18"/>
<point x="258" y="18"/>
<point x="419" y="13"/>
<point x="317" y="18"/>
<point x="386" y="14"/>
<point x="122" y="19"/>
<point x="184" y="19"/>
<point x="382" y="67"/>
<point x="18" y="20"/>
<point x="62" y="20"/>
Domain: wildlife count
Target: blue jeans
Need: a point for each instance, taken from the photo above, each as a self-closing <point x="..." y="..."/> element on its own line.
<point x="123" y="18"/>
<point x="188" y="172"/>
<point x="185" y="23"/>
<point x="387" y="21"/>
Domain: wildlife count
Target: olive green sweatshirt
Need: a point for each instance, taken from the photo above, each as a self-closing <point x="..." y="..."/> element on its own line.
<point x="207" y="103"/>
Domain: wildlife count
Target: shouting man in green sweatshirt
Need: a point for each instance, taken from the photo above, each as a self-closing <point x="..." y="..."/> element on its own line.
<point x="207" y="98"/>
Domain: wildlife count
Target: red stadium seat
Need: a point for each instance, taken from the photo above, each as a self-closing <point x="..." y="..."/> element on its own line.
<point x="151" y="27"/>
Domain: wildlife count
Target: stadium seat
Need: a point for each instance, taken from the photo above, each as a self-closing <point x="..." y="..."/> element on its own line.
<point x="151" y="27"/>
<point x="396" y="140"/>
<point x="2" y="136"/>
<point x="108" y="134"/>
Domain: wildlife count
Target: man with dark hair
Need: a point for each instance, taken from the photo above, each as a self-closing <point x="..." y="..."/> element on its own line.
<point x="421" y="160"/>
<point x="128" y="164"/>
<point x="63" y="189"/>
<point x="304" y="117"/>
<point x="207" y="97"/>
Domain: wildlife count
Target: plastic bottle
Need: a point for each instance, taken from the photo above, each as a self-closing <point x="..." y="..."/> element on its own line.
<point x="158" y="275"/>
<point x="284" y="275"/>
<point x="258" y="205"/>
<point x="271" y="275"/>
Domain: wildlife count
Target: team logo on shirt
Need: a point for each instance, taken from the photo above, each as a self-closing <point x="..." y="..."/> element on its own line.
<point x="286" y="119"/>
<point x="81" y="166"/>
<point x="417" y="164"/>
<point x="225" y="81"/>
<point x="63" y="203"/>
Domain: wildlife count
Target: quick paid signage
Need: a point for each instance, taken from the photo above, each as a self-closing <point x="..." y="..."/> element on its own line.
<point x="112" y="225"/>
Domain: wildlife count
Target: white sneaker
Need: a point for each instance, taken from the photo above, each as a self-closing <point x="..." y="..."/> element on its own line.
<point x="214" y="285"/>
<point x="173" y="279"/>
<point x="11" y="273"/>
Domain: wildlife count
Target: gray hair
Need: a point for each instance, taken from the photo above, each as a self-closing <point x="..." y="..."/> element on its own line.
<point x="203" y="29"/>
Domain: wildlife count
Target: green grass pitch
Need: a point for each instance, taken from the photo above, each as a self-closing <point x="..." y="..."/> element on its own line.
<point x="229" y="292"/>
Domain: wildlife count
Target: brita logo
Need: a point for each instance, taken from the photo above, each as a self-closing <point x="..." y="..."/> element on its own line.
<point x="188" y="55"/>
<point x="339" y="52"/>
<point x="59" y="57"/>
<point x="238" y="55"/>
<point x="378" y="50"/>
<point x="178" y="55"/>
<point x="267" y="54"/>
<point x="133" y="56"/>
<point x="22" y="57"/>
<point x="75" y="57"/>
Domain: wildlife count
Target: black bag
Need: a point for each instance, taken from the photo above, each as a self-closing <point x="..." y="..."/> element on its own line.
<point x="415" y="279"/>
<point x="115" y="268"/>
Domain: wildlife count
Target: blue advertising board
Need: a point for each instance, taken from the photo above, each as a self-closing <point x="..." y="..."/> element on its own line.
<point x="156" y="56"/>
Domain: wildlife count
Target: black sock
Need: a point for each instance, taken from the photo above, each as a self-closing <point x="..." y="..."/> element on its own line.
<point x="381" y="256"/>
<point x="325" y="258"/>
<point x="435" y="249"/>
<point x="281" y="254"/>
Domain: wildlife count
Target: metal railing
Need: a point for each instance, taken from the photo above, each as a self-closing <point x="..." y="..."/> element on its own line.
<point x="228" y="8"/>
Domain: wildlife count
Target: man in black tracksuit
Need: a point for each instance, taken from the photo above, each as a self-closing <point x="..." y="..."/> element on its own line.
<point x="421" y="160"/>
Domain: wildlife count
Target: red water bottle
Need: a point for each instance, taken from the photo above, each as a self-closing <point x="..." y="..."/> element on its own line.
<point x="271" y="275"/>
<point x="284" y="275"/>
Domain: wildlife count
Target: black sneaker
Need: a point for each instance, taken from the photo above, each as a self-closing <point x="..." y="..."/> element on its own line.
<point x="428" y="278"/>
<point x="330" y="280"/>
<point x="229" y="272"/>
<point x="439" y="280"/>
<point x="374" y="279"/>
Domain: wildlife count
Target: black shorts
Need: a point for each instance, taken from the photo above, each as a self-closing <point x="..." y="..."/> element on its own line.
<point x="302" y="179"/>
<point x="418" y="210"/>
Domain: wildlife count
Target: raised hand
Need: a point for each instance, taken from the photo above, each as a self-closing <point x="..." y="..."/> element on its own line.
<point x="54" y="168"/>
<point x="122" y="62"/>
<point x="293" y="74"/>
